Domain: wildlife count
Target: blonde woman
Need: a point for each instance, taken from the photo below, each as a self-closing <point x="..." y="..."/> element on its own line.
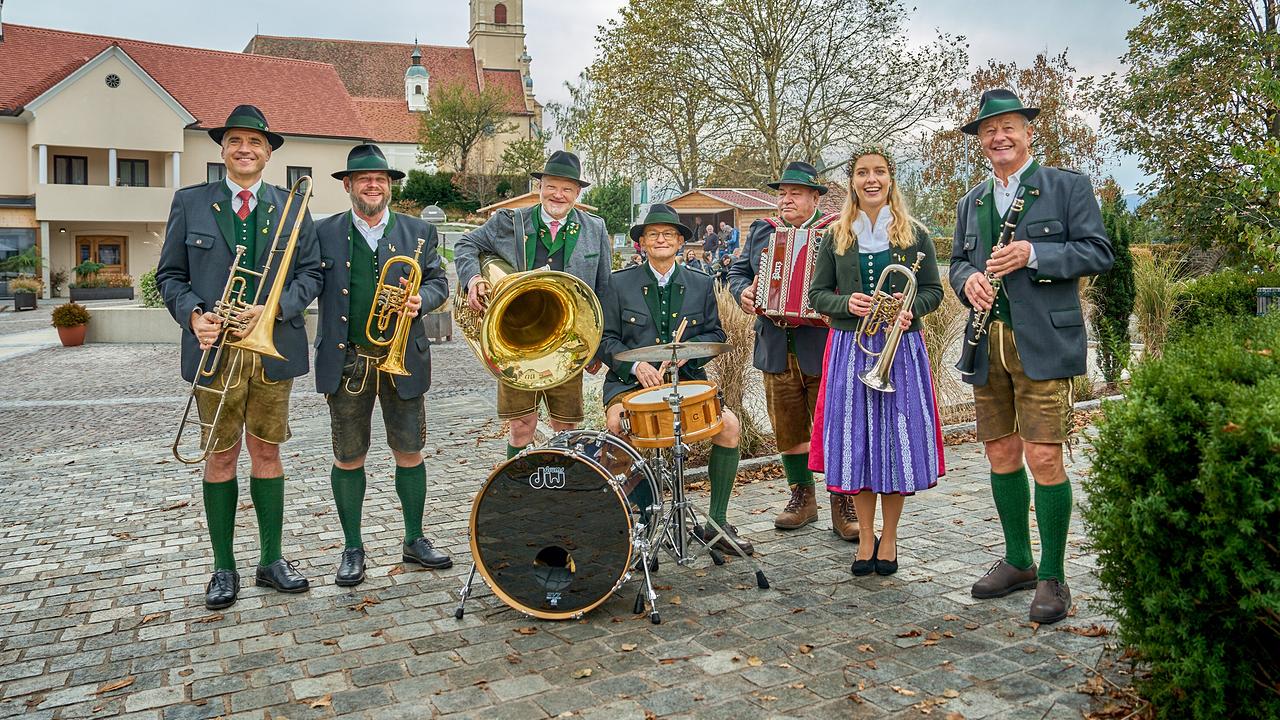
<point x="876" y="443"/>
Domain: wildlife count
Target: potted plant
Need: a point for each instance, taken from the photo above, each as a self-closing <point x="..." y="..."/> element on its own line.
<point x="25" y="289"/>
<point x="71" y="320"/>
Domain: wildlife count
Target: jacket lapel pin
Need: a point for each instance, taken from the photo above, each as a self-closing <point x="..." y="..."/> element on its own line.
<point x="978" y="202"/>
<point x="1035" y="192"/>
<point x="271" y="209"/>
<point x="216" y="208"/>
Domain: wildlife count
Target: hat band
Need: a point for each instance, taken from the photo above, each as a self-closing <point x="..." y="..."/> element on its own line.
<point x="561" y="170"/>
<point x="370" y="163"/>
<point x="660" y="219"/>
<point x="797" y="177"/>
<point x="246" y="121"/>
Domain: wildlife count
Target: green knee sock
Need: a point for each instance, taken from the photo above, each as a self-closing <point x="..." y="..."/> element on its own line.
<point x="1053" y="516"/>
<point x="268" y="503"/>
<point x="348" y="494"/>
<point x="220" y="514"/>
<point x="797" y="469"/>
<point x="1013" y="503"/>
<point x="513" y="451"/>
<point x="722" y="470"/>
<point x="411" y="486"/>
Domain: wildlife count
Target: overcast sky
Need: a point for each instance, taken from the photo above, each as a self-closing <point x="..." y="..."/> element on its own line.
<point x="1093" y="31"/>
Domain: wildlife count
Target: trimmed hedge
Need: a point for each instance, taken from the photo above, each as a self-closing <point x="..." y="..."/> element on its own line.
<point x="1184" y="512"/>
<point x="1210" y="299"/>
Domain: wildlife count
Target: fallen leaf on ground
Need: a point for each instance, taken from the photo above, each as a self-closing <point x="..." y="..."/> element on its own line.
<point x="364" y="604"/>
<point x="208" y="619"/>
<point x="1094" y="630"/>
<point x="320" y="702"/>
<point x="950" y="693"/>
<point x="628" y="647"/>
<point x="175" y="506"/>
<point x="806" y="648"/>
<point x="527" y="630"/>
<point x="675" y="600"/>
<point x="148" y="618"/>
<point x="954" y="716"/>
<point x="909" y="634"/>
<point x="866" y="648"/>
<point x="583" y="673"/>
<point x="872" y="665"/>
<point x="514" y="659"/>
<point x="903" y="691"/>
<point x="855" y="697"/>
<point x="115" y="685"/>
<point x="951" y="618"/>
<point x="395" y="570"/>
<point x="754" y="661"/>
<point x="330" y="641"/>
<point x="971" y="626"/>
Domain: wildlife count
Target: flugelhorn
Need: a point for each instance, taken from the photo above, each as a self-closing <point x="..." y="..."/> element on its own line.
<point x="229" y="308"/>
<point x="540" y="329"/>
<point x="883" y="317"/>
<point x="388" y="305"/>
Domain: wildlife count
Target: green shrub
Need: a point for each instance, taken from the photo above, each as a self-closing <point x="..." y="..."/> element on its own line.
<point x="1184" y="512"/>
<point x="70" y="315"/>
<point x="1210" y="299"/>
<point x="1113" y="293"/>
<point x="150" y="290"/>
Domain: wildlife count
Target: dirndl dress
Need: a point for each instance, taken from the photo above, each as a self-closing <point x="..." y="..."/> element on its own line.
<point x="879" y="441"/>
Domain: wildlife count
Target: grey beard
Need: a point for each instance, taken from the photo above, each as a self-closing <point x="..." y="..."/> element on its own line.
<point x="365" y="208"/>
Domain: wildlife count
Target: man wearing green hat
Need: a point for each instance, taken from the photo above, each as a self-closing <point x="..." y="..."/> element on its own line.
<point x="554" y="234"/>
<point x="355" y="248"/>
<point x="645" y="305"/>
<point x="1036" y="340"/>
<point x="207" y="223"/>
<point x="791" y="357"/>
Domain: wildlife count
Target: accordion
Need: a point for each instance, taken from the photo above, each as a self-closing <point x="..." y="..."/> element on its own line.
<point x="786" y="271"/>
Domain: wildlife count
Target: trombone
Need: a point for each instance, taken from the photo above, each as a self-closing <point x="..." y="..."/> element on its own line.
<point x="885" y="309"/>
<point x="388" y="306"/>
<point x="229" y="308"/>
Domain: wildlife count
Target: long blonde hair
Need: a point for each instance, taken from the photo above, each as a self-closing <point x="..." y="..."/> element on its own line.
<point x="901" y="233"/>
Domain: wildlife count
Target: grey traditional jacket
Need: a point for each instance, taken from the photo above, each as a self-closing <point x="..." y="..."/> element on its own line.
<point x="1062" y="220"/>
<point x="195" y="261"/>
<point x="629" y="320"/>
<point x="401" y="238"/>
<point x="770" y="354"/>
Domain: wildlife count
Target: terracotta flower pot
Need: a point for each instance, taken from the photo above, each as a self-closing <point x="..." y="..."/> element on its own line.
<point x="72" y="336"/>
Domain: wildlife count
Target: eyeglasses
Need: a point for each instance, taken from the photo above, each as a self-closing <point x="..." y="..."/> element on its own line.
<point x="664" y="234"/>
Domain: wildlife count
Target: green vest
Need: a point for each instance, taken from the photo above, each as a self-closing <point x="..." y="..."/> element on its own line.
<point x="364" y="280"/>
<point x="245" y="233"/>
<point x="871" y="265"/>
<point x="664" y="303"/>
<point x="566" y="238"/>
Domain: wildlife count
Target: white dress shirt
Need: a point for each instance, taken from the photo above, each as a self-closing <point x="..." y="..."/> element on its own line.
<point x="235" y="190"/>
<point x="371" y="233"/>
<point x="663" y="279"/>
<point x="1004" y="199"/>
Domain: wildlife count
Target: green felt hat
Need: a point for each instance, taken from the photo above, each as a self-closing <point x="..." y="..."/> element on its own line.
<point x="565" y="164"/>
<point x="661" y="214"/>
<point x="997" y="102"/>
<point x="367" y="158"/>
<point x="800" y="173"/>
<point x="247" y="117"/>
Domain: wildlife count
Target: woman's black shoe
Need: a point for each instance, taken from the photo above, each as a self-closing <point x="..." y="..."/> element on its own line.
<point x="886" y="567"/>
<point x="862" y="568"/>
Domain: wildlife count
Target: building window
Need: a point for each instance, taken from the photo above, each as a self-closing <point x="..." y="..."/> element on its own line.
<point x="132" y="173"/>
<point x="215" y="172"/>
<point x="500" y="14"/>
<point x="70" y="170"/>
<point x="296" y="172"/>
<point x="13" y="241"/>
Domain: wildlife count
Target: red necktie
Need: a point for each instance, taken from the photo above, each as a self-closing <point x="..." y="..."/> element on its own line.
<point x="244" y="196"/>
<point x="555" y="226"/>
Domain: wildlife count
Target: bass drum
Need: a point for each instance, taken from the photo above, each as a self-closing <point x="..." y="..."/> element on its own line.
<point x="553" y="529"/>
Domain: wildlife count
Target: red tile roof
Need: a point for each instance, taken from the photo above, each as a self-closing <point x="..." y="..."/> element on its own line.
<point x="208" y="83"/>
<point x="389" y="120"/>
<point x="741" y="198"/>
<point x="376" y="69"/>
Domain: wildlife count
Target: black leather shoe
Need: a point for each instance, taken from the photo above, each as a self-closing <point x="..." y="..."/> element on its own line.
<point x="885" y="567"/>
<point x="283" y="576"/>
<point x="862" y="568"/>
<point x="350" y="568"/>
<point x="420" y="551"/>
<point x="222" y="589"/>
<point x="724" y="546"/>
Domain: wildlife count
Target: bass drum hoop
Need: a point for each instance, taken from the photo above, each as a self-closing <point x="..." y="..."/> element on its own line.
<point x="497" y="589"/>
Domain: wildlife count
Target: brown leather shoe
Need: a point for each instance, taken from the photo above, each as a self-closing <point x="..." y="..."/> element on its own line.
<point x="801" y="509"/>
<point x="1051" y="603"/>
<point x="844" y="519"/>
<point x="1003" y="579"/>
<point x="723" y="545"/>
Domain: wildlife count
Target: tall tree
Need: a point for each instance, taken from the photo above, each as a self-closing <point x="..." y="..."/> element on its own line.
<point x="525" y="156"/>
<point x="612" y="200"/>
<point x="953" y="161"/>
<point x="585" y="132"/>
<point x="807" y="76"/>
<point x="458" y="119"/>
<point x="1113" y="291"/>
<point x="1192" y="90"/>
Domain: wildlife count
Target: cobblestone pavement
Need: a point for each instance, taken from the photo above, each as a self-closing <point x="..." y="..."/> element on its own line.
<point x="105" y="558"/>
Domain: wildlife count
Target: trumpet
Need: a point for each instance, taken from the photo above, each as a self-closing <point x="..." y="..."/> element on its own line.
<point x="883" y="317"/>
<point x="229" y="308"/>
<point x="389" y="306"/>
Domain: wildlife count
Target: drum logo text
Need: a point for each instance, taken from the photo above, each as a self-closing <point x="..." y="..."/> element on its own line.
<point x="547" y="477"/>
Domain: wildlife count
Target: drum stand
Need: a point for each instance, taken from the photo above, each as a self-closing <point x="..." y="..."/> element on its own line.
<point x="677" y="526"/>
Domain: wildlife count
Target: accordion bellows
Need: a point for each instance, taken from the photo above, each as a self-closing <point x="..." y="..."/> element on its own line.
<point x="786" y="272"/>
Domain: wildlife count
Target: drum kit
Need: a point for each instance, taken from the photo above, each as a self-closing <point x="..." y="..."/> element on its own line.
<point x="558" y="529"/>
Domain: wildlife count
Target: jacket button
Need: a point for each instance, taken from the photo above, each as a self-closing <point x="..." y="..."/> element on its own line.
<point x="344" y="318"/>
<point x="1046" y="231"/>
<point x="344" y="291"/>
<point x="348" y="263"/>
<point x="342" y="346"/>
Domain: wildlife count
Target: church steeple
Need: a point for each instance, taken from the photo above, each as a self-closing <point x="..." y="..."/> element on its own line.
<point x="416" y="81"/>
<point x="497" y="33"/>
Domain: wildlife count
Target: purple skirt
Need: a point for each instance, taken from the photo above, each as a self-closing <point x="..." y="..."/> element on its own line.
<point x="877" y="441"/>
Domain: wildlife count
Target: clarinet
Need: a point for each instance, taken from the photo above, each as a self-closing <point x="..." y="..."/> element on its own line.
<point x="980" y="320"/>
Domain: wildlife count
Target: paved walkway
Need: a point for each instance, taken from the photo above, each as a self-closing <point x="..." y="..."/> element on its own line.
<point x="104" y="561"/>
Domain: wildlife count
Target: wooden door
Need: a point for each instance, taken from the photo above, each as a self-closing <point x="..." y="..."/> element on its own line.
<point x="110" y="250"/>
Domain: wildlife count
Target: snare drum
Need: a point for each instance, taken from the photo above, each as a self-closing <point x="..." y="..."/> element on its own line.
<point x="553" y="529"/>
<point x="648" y="421"/>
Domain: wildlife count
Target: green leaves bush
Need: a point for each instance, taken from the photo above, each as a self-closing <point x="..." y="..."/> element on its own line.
<point x="1212" y="298"/>
<point x="150" y="291"/>
<point x="1185" y="514"/>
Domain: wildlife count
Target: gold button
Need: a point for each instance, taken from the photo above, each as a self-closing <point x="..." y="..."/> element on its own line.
<point x="344" y="318"/>
<point x="348" y="263"/>
<point x="344" y="291"/>
<point x="342" y="346"/>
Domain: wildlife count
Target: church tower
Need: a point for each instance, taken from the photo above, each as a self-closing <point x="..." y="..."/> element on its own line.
<point x="416" y="82"/>
<point x="497" y="34"/>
